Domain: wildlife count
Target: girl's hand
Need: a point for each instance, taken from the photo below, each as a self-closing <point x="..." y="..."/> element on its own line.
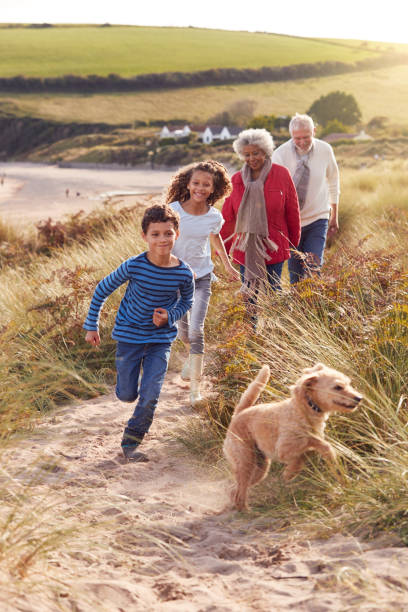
<point x="160" y="317"/>
<point x="93" y="338"/>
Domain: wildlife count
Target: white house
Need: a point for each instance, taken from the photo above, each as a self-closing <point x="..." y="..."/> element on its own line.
<point x="335" y="136"/>
<point x="177" y="132"/>
<point x="218" y="132"/>
<point x="363" y="136"/>
<point x="207" y="133"/>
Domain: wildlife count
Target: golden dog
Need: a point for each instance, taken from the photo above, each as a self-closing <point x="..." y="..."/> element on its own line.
<point x="284" y="431"/>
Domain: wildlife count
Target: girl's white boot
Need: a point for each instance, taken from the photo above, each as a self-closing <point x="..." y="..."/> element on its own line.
<point x="185" y="371"/>
<point x="196" y="370"/>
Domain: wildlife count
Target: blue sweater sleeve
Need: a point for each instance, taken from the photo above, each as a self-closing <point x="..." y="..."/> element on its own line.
<point x="184" y="303"/>
<point x="103" y="290"/>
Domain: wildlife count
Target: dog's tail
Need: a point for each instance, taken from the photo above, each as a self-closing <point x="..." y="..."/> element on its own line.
<point x="254" y="390"/>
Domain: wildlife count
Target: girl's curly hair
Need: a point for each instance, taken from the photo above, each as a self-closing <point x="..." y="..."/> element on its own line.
<point x="177" y="190"/>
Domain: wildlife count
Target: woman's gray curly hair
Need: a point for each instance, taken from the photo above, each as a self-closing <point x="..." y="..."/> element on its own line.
<point x="254" y="136"/>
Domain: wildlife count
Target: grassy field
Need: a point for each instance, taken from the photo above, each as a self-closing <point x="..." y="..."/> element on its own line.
<point x="128" y="51"/>
<point x="371" y="89"/>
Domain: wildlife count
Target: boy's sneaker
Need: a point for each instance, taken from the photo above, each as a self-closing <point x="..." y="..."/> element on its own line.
<point x="132" y="454"/>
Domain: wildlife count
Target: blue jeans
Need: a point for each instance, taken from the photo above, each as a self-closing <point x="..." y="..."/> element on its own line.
<point x="129" y="359"/>
<point x="191" y="326"/>
<point x="274" y="273"/>
<point x="313" y="241"/>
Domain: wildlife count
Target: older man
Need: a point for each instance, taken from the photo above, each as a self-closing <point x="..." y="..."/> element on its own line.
<point x="314" y="170"/>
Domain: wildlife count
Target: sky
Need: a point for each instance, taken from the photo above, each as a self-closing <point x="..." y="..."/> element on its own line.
<point x="356" y="19"/>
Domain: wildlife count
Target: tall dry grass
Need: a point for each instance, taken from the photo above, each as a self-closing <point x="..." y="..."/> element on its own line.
<point x="355" y="319"/>
<point x="43" y="358"/>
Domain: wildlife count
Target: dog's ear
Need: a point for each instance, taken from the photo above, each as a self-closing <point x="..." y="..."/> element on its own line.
<point x="316" y="368"/>
<point x="305" y="382"/>
<point x="319" y="366"/>
<point x="309" y="381"/>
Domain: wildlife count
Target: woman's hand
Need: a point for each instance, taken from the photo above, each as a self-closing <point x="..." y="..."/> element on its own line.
<point x="93" y="338"/>
<point x="160" y="317"/>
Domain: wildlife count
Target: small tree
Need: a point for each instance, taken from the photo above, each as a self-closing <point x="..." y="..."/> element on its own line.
<point x="336" y="105"/>
<point x="333" y="127"/>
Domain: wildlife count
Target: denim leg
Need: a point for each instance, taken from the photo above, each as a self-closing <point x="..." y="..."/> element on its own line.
<point x="198" y="312"/>
<point x="250" y="301"/>
<point x="155" y="361"/>
<point x="274" y="272"/>
<point x="312" y="242"/>
<point x="128" y="361"/>
<point x="183" y="326"/>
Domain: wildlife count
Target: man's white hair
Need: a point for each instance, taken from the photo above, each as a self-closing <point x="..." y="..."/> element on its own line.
<point x="301" y="122"/>
<point x="256" y="137"/>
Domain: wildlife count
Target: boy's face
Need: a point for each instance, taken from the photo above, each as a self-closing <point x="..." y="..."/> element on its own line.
<point x="160" y="237"/>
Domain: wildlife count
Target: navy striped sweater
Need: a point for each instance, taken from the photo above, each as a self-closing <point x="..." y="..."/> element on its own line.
<point x="149" y="287"/>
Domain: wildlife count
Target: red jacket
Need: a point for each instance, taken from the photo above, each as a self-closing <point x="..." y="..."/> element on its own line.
<point x="282" y="210"/>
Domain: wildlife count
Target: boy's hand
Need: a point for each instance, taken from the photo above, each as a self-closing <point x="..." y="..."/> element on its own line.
<point x="160" y="317"/>
<point x="93" y="338"/>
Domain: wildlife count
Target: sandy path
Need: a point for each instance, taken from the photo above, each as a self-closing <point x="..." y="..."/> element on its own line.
<point x="215" y="562"/>
<point x="32" y="192"/>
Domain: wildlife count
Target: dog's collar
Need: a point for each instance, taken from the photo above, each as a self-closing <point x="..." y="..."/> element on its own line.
<point x="312" y="404"/>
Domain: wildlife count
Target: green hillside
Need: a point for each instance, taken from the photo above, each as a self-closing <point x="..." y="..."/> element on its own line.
<point x="371" y="89"/>
<point x="131" y="50"/>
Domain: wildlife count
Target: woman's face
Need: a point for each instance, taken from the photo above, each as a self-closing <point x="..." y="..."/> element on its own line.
<point x="254" y="157"/>
<point x="200" y="186"/>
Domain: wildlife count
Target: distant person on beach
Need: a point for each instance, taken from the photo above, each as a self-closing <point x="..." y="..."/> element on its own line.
<point x="261" y="216"/>
<point x="160" y="291"/>
<point x="192" y="193"/>
<point x="66" y="192"/>
<point x="312" y="164"/>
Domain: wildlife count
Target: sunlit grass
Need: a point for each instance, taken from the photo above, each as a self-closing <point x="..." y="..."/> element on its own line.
<point x="354" y="319"/>
<point x="132" y="50"/>
<point x="371" y="90"/>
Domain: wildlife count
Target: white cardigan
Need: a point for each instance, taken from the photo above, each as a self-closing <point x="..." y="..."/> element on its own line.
<point x="324" y="184"/>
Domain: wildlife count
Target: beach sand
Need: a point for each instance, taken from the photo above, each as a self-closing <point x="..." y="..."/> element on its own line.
<point x="34" y="192"/>
<point x="152" y="536"/>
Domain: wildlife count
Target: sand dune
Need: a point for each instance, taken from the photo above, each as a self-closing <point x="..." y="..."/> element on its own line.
<point x="151" y="536"/>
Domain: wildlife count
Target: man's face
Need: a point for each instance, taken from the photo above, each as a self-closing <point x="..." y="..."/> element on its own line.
<point x="303" y="139"/>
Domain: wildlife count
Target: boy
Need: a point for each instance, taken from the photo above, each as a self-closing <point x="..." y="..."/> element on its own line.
<point x="160" y="291"/>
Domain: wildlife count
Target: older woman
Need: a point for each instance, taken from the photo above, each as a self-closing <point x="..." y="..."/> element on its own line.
<point x="262" y="220"/>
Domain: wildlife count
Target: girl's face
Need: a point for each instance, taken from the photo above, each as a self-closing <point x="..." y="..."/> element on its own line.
<point x="200" y="186"/>
<point x="254" y="157"/>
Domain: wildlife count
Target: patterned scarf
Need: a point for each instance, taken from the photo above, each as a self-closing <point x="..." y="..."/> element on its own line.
<point x="302" y="174"/>
<point x="251" y="227"/>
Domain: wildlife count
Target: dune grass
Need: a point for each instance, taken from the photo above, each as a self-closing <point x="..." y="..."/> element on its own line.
<point x="370" y="88"/>
<point x="355" y="319"/>
<point x="132" y="50"/>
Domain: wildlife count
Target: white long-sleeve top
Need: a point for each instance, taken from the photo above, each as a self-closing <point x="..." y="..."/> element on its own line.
<point x="324" y="183"/>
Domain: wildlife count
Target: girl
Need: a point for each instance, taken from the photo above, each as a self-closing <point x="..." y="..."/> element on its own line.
<point x="192" y="193"/>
